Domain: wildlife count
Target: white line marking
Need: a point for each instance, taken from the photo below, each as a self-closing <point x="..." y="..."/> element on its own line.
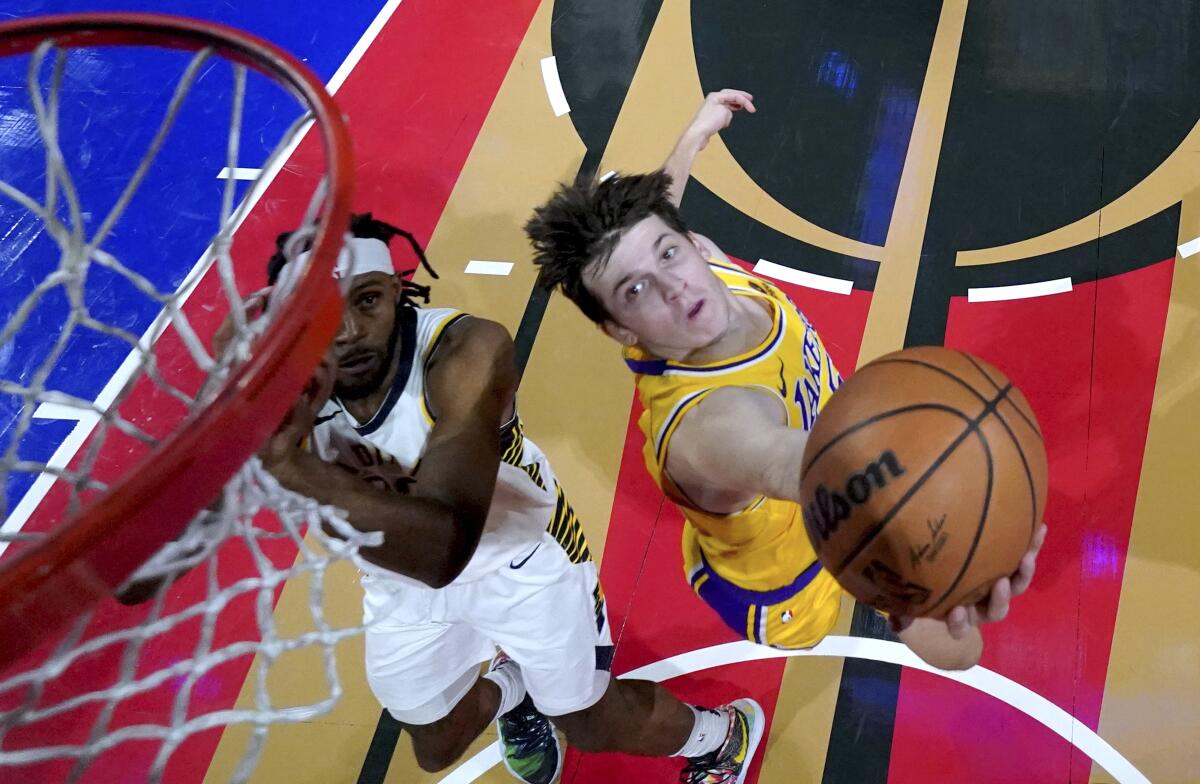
<point x="1007" y="691"/>
<point x="66" y="451"/>
<point x="238" y="173"/>
<point x="801" y="278"/>
<point x="608" y="176"/>
<point x="475" y="267"/>
<point x="1021" y="291"/>
<point x="554" y="90"/>
<point x="475" y="767"/>
<point x="60" y="411"/>
<point x="1189" y="248"/>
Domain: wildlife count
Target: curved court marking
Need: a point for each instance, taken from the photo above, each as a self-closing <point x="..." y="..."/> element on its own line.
<point x="1025" y="700"/>
<point x="554" y="89"/>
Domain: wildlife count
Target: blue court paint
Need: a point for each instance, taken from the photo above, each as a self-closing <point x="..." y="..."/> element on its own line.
<point x="174" y="215"/>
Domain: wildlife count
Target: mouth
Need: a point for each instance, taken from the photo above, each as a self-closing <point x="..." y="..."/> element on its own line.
<point x="356" y="363"/>
<point x="695" y="310"/>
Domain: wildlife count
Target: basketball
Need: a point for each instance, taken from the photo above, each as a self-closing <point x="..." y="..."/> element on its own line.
<point x="924" y="481"/>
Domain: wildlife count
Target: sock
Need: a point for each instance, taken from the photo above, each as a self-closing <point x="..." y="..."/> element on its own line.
<point x="507" y="677"/>
<point x="708" y="733"/>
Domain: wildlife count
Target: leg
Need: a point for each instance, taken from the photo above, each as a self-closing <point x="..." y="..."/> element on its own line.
<point x="635" y="717"/>
<point x="641" y="717"/>
<point x="558" y="631"/>
<point x="423" y="667"/>
<point x="438" y="744"/>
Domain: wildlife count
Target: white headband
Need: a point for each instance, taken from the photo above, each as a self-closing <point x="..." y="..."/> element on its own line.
<point x="361" y="255"/>
<point x="358" y="256"/>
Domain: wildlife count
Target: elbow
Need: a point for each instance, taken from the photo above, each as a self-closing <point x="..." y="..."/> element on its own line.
<point x="465" y="532"/>
<point x="444" y="573"/>
<point x="463" y="543"/>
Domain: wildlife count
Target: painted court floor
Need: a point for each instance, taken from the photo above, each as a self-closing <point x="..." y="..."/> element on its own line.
<point x="1016" y="179"/>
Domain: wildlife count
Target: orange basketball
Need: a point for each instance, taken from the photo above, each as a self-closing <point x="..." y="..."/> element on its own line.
<point x="924" y="481"/>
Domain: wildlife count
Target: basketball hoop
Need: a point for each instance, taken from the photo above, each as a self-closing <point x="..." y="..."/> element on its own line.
<point x="92" y="531"/>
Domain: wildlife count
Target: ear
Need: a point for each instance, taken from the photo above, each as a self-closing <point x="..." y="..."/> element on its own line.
<point x="700" y="245"/>
<point x="397" y="287"/>
<point x="618" y="333"/>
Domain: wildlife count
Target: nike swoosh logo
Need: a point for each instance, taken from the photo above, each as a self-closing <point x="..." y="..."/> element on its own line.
<point x="513" y="565"/>
<point x="321" y="419"/>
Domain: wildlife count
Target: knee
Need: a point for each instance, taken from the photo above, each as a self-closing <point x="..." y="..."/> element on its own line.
<point x="436" y="746"/>
<point x="433" y="755"/>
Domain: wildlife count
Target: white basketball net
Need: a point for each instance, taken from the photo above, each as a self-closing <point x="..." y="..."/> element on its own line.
<point x="88" y="697"/>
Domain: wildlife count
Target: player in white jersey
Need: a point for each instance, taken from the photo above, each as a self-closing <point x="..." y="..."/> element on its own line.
<point x="416" y="435"/>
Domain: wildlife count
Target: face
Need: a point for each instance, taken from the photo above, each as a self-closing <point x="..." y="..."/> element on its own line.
<point x="660" y="292"/>
<point x="363" y="348"/>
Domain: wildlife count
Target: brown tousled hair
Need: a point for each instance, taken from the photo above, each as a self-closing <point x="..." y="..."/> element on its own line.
<point x="582" y="223"/>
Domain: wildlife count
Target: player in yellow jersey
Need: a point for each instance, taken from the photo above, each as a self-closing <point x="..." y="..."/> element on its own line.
<point x="732" y="376"/>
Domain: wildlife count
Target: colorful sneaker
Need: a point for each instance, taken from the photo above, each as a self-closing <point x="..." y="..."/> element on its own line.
<point x="730" y="764"/>
<point x="528" y="742"/>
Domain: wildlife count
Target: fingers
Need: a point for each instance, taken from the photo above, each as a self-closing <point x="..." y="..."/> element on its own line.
<point x="958" y="622"/>
<point x="256" y="303"/>
<point x="253" y="306"/>
<point x="992" y="610"/>
<point x="998" y="601"/>
<point x="1025" y="572"/>
<point x="1039" y="538"/>
<point x="1028" y="565"/>
<point x="734" y="99"/>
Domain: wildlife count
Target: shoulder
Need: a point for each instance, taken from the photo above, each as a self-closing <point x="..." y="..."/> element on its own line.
<point x="709" y="248"/>
<point x="471" y="333"/>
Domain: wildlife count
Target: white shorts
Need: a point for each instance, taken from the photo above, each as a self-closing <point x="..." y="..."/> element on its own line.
<point x="548" y="614"/>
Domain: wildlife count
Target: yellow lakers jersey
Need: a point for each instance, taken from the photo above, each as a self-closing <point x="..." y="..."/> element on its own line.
<point x="763" y="546"/>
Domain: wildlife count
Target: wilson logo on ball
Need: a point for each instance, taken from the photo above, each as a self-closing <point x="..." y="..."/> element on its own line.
<point x="830" y="508"/>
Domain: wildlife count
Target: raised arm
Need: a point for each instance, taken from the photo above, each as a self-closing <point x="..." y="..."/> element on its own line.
<point x="714" y="115"/>
<point x="430" y="533"/>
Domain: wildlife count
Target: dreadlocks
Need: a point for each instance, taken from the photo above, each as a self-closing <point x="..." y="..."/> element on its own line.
<point x="366" y="226"/>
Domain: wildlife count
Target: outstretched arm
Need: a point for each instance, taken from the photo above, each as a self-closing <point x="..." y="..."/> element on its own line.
<point x="714" y="115"/>
<point x="735" y="446"/>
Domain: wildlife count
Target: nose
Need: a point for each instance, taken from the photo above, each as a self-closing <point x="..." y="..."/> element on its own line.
<point x="672" y="287"/>
<point x="350" y="331"/>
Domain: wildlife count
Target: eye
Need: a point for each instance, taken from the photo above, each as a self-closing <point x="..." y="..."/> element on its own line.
<point x="368" y="300"/>
<point x="669" y="253"/>
<point x="633" y="291"/>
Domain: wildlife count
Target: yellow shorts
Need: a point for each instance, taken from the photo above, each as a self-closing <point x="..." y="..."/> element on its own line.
<point x="797" y="615"/>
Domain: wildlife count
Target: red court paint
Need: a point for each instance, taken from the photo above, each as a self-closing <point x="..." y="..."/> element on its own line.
<point x="1087" y="361"/>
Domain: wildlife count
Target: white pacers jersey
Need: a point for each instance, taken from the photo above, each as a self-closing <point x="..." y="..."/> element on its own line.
<point x="387" y="450"/>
